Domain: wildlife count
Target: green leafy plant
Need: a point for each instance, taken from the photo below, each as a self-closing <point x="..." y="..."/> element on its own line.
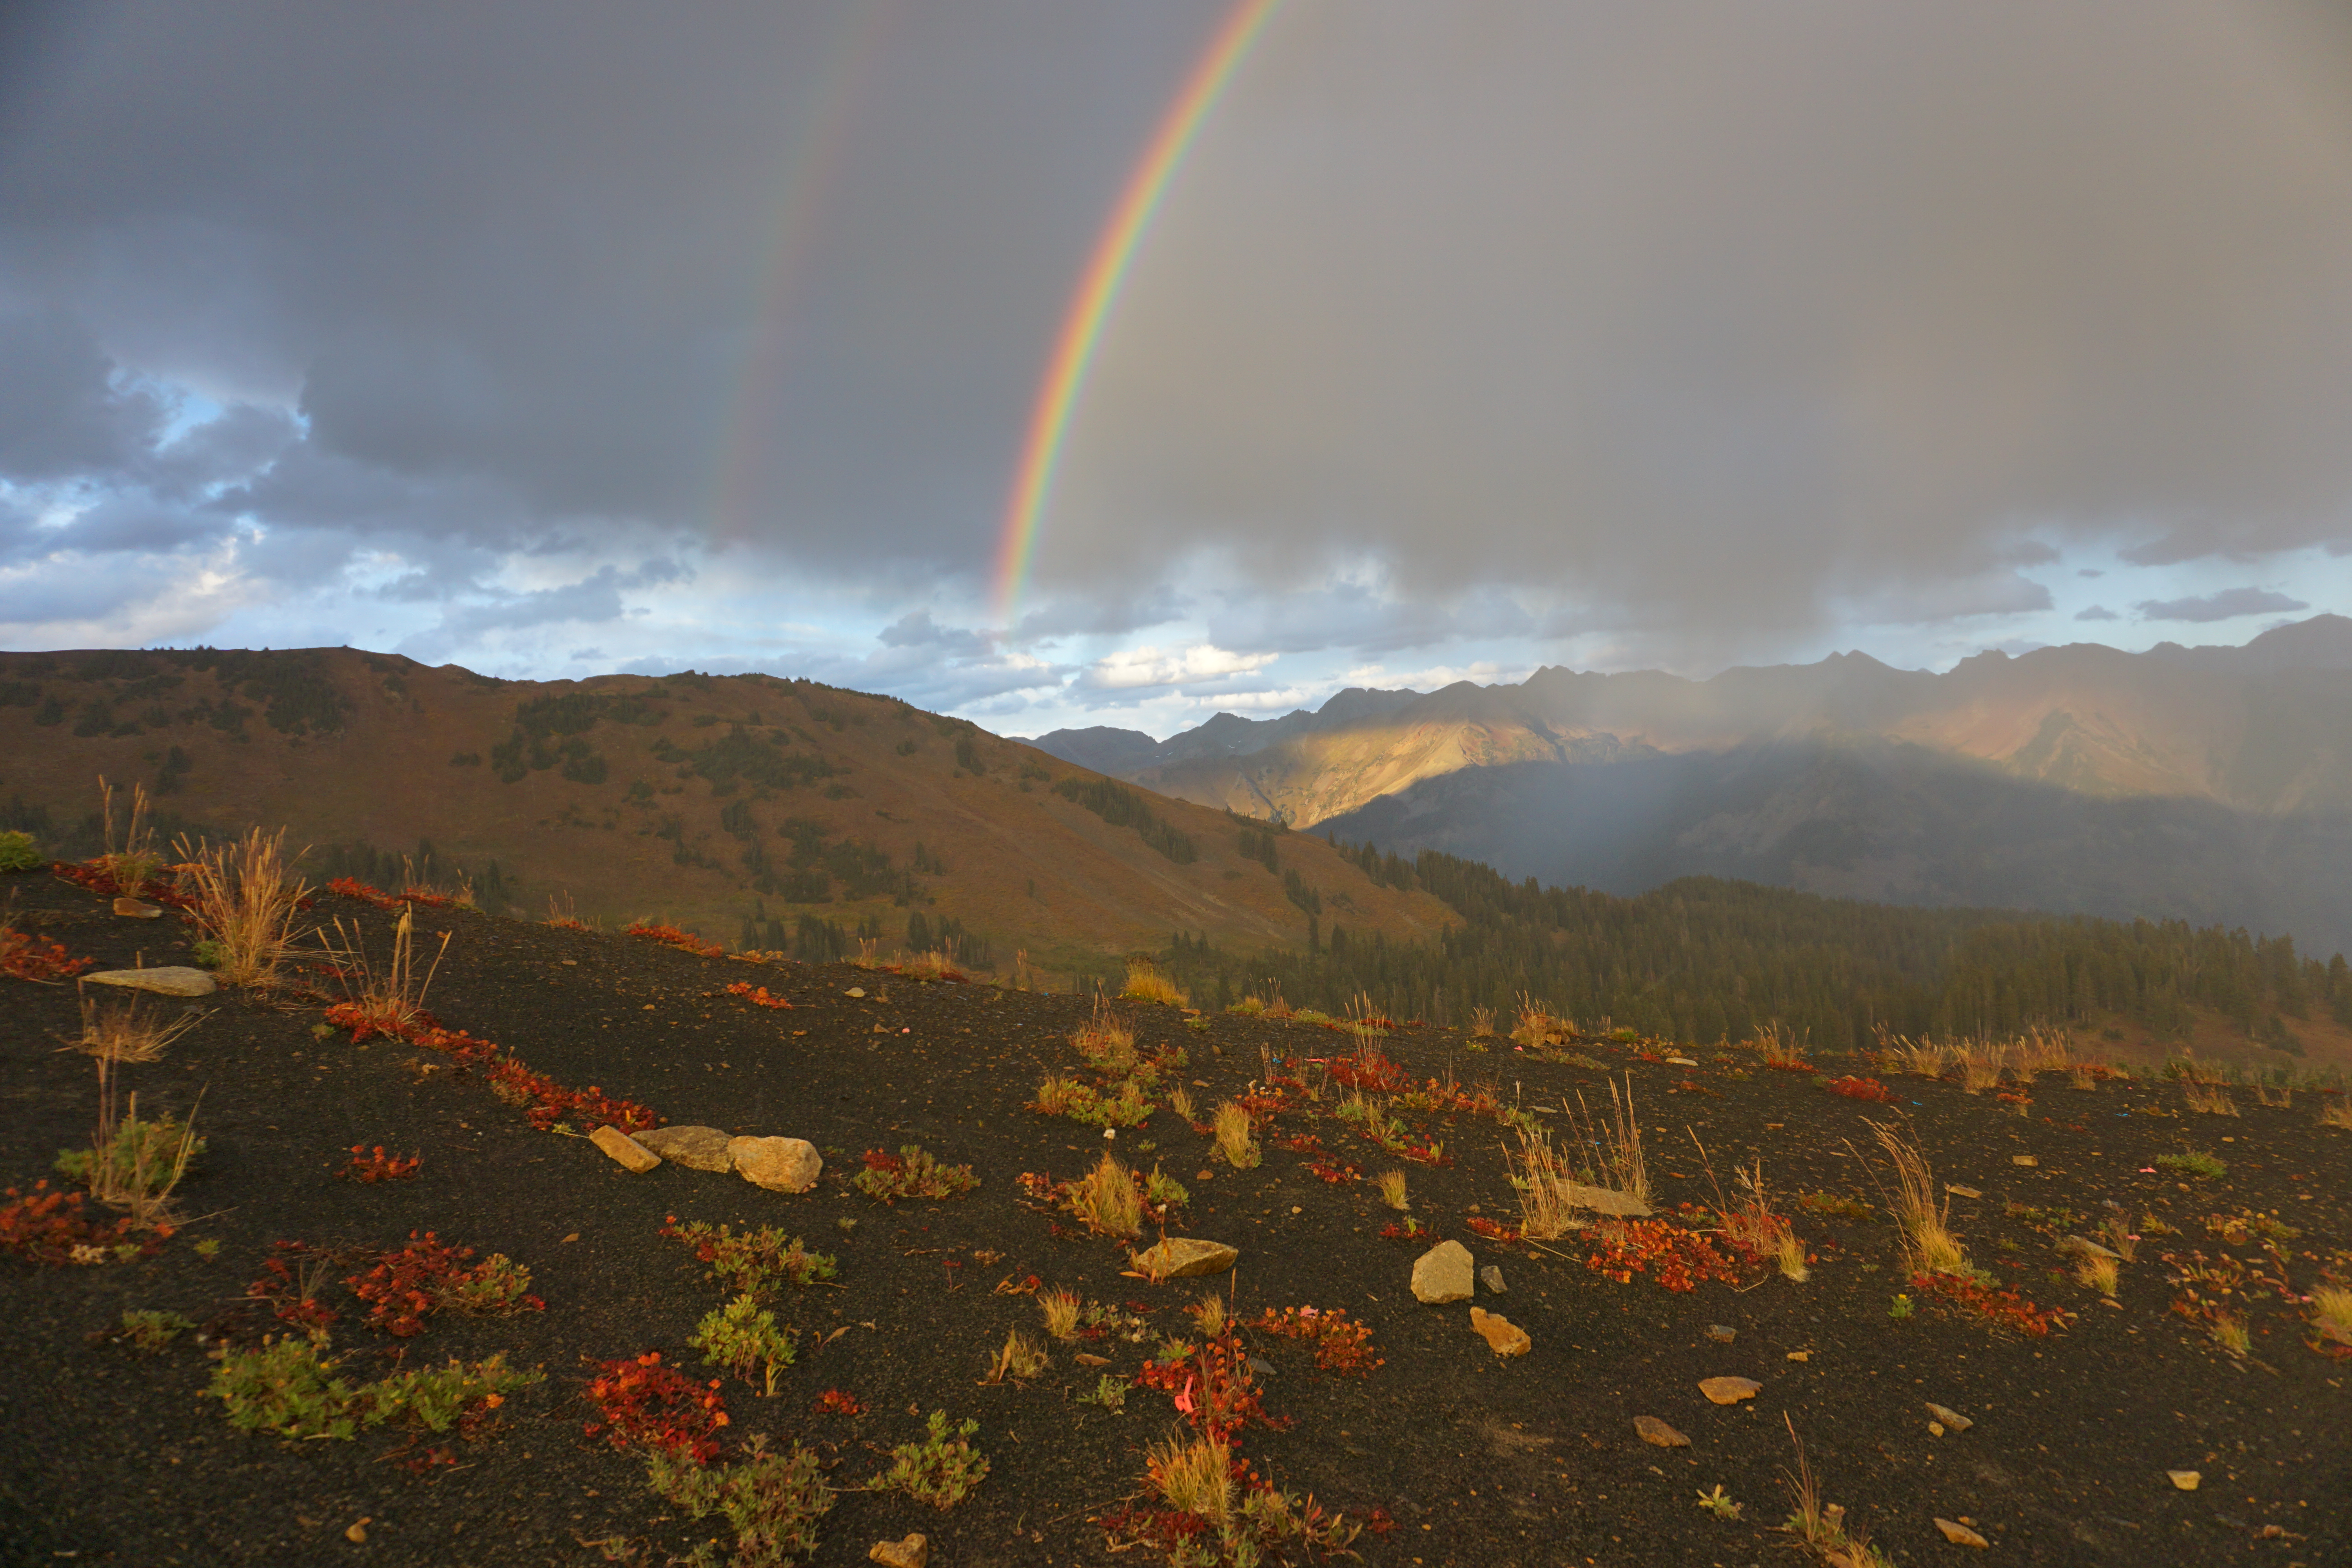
<point x="437" y="1398"/>
<point x="912" y="1174"/>
<point x="289" y="1387"/>
<point x="773" y="1499"/>
<point x="152" y="1331"/>
<point x="1900" y="1307"/>
<point x="754" y="1263"/>
<point x="1718" y="1503"/>
<point x="2195" y="1163"/>
<point x="743" y="1335"/>
<point x="140" y="1157"/>
<point x="1108" y="1391"/>
<point x="942" y="1470"/>
<point x="18" y="853"/>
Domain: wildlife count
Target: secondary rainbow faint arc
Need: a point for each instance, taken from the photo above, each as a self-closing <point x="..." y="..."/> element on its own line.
<point x="1082" y="325"/>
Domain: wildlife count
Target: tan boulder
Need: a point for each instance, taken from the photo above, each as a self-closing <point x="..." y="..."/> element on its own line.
<point x="1728" y="1390"/>
<point x="1503" y="1337"/>
<point x="1605" y="1200"/>
<point x="779" y="1165"/>
<point x="1960" y="1534"/>
<point x="1443" y="1274"/>
<point x="911" y="1552"/>
<point x="696" y="1147"/>
<point x="625" y="1150"/>
<point x="138" y="909"/>
<point x="1182" y="1257"/>
<point x="1657" y="1432"/>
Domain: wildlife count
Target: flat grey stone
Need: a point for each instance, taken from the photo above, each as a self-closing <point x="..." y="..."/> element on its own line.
<point x="1605" y="1200"/>
<point x="171" y="980"/>
<point x="1491" y="1276"/>
<point x="696" y="1147"/>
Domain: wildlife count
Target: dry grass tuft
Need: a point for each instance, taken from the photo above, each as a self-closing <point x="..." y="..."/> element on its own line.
<point x="1233" y="1139"/>
<point x="392" y="998"/>
<point x="1210" y="1315"/>
<point x="1927" y="1240"/>
<point x="1392" y="1187"/>
<point x="2099" y="1274"/>
<point x="1536" y="1026"/>
<point x="1180" y="1101"/>
<point x="1751" y="1223"/>
<point x="245" y="895"/>
<point x="2331" y="1312"/>
<point x="2117" y="1235"/>
<point x="2231" y="1333"/>
<point x="1981" y="1063"/>
<point x="1105" y="1198"/>
<point x="1146" y="983"/>
<point x="2209" y="1099"/>
<point x="1195" y="1478"/>
<point x="563" y="913"/>
<point x="1615" y="1147"/>
<point x="2337" y="1112"/>
<point x="2081" y="1076"/>
<point x="1482" y="1022"/>
<point x="1923" y="1058"/>
<point x="1546" y="1208"/>
<point x="1061" y="1310"/>
<point x="135" y="1166"/>
<point x="1779" y="1047"/>
<point x="2042" y="1050"/>
<point x="129" y="1031"/>
<point x="1020" y="1357"/>
<point x="1820" y="1527"/>
<point x="131" y="861"/>
<point x="2275" y="1094"/>
<point x="1107" y="1044"/>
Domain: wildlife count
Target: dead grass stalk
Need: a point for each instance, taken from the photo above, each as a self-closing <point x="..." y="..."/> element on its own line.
<point x="1928" y="1242"/>
<point x="245" y="895"/>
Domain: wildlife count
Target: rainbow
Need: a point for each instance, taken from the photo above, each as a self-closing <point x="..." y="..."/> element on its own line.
<point x="1082" y="325"/>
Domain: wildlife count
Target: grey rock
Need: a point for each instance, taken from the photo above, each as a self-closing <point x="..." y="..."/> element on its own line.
<point x="171" y="980"/>
<point x="696" y="1147"/>
<point x="1491" y="1276"/>
<point x="1605" y="1200"/>
<point x="1441" y="1274"/>
<point x="1722" y="1333"/>
<point x="779" y="1165"/>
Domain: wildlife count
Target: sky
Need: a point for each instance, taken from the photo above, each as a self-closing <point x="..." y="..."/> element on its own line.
<point x="561" y="339"/>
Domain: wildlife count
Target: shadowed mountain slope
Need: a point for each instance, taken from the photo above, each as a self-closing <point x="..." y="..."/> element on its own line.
<point x="2215" y="783"/>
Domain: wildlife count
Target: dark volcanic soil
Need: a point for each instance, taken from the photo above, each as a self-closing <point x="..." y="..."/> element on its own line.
<point x="109" y="1456"/>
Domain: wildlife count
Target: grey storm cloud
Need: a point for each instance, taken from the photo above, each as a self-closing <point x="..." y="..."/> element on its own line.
<point x="1710" y="323"/>
<point x="769" y="277"/>
<point x="2096" y="613"/>
<point x="1729" y="317"/>
<point x="2218" y="606"/>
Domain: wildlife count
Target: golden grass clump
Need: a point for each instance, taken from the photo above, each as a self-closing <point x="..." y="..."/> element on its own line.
<point x="1210" y="1315"/>
<point x="2337" y="1112"/>
<point x="1923" y="1058"/>
<point x="1536" y="1026"/>
<point x="2099" y="1274"/>
<point x="130" y="1031"/>
<point x="131" y="861"/>
<point x="1615" y="1146"/>
<point x="1146" y="983"/>
<point x="2042" y="1050"/>
<point x="392" y="998"/>
<point x="1392" y="1188"/>
<point x="2231" y="1333"/>
<point x="2331" y="1312"/>
<point x="1020" y="1357"/>
<point x="1107" y="1044"/>
<point x="1233" y="1139"/>
<point x="1927" y="1239"/>
<point x="1482" y="1022"/>
<point x="1544" y="1183"/>
<point x="1180" y="1101"/>
<point x="245" y="897"/>
<point x="1195" y="1478"/>
<point x="1820" y="1526"/>
<point x="1061" y="1310"/>
<point x="2277" y="1095"/>
<point x="1105" y="1198"/>
<point x="2118" y="1238"/>
<point x="2080" y="1074"/>
<point x="1981" y="1063"/>
<point x="2209" y="1098"/>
